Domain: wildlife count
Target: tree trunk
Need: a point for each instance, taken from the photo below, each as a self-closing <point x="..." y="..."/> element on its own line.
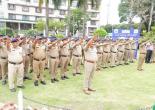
<point x="151" y="13"/>
<point x="69" y="17"/>
<point x="47" y="18"/>
<point x="84" y="19"/>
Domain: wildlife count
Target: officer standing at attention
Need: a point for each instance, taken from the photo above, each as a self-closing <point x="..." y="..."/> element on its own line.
<point x="77" y="56"/>
<point x="53" y="58"/>
<point x="39" y="57"/>
<point x="26" y="48"/>
<point x="4" y="59"/>
<point x="64" y="57"/>
<point x="15" y="65"/>
<point x="90" y="64"/>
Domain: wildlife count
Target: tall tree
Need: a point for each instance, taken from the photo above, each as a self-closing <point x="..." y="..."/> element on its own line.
<point x="84" y="5"/>
<point x="136" y="8"/>
<point x="56" y="4"/>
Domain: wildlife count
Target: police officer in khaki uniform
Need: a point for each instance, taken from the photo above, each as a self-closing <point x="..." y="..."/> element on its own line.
<point x="142" y="55"/>
<point x="77" y="56"/>
<point x="15" y="65"/>
<point x="90" y="64"/>
<point x="121" y="50"/>
<point x="53" y="58"/>
<point x="127" y="52"/>
<point x="39" y="57"/>
<point x="4" y="59"/>
<point x="113" y="54"/>
<point x="64" y="57"/>
<point x="26" y="49"/>
<point x="106" y="53"/>
<point x="133" y="49"/>
<point x="99" y="53"/>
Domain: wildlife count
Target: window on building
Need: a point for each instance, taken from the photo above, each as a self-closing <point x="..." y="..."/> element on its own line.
<point x="35" y="1"/>
<point x="38" y="10"/>
<point x="28" y="0"/>
<point x="62" y="12"/>
<point x="93" y="22"/>
<point x="11" y="7"/>
<point x="63" y="3"/>
<point x="38" y="18"/>
<point x="25" y="9"/>
<point x="12" y="16"/>
<point x="93" y="15"/>
<point x="25" y="17"/>
<point x="51" y="11"/>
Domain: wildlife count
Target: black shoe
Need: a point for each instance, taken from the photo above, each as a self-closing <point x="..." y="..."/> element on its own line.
<point x="66" y="77"/>
<point x="36" y="83"/>
<point x="0" y="78"/>
<point x="27" y="78"/>
<point x="56" y="80"/>
<point x="79" y="73"/>
<point x="52" y="81"/>
<point x="13" y="90"/>
<point x="74" y="74"/>
<point x="62" y="77"/>
<point x="31" y="70"/>
<point x="43" y="82"/>
<point x="21" y="87"/>
<point x="4" y="82"/>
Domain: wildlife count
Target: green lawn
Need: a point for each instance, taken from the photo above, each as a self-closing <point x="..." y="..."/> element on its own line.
<point x="120" y="88"/>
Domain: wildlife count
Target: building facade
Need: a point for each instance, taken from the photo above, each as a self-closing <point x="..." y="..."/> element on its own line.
<point x="23" y="14"/>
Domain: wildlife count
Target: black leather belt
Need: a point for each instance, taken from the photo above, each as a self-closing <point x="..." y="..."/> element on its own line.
<point x="64" y="55"/>
<point x="53" y="57"/>
<point x="3" y="57"/>
<point x="77" y="55"/>
<point x="121" y="51"/>
<point x="14" y="63"/>
<point x="90" y="61"/>
<point x="106" y="52"/>
<point x="114" y="52"/>
<point x="133" y="49"/>
<point x="39" y="59"/>
<point x="127" y="49"/>
<point x="99" y="52"/>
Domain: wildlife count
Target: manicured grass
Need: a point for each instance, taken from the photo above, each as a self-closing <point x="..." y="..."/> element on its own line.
<point x="119" y="88"/>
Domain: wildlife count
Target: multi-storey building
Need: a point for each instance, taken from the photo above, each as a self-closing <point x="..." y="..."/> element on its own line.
<point x="23" y="14"/>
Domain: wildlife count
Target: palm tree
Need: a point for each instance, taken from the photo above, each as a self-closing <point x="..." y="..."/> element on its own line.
<point x="84" y="5"/>
<point x="56" y="5"/>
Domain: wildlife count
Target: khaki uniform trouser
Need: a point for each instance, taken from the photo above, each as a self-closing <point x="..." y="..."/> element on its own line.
<point x="99" y="62"/>
<point x="120" y="57"/>
<point x="141" y="60"/>
<point x="89" y="69"/>
<point x="38" y="70"/>
<point x="76" y="62"/>
<point x="15" y="72"/>
<point x="106" y="58"/>
<point x="26" y="65"/>
<point x="4" y="69"/>
<point x="126" y="56"/>
<point x="53" y="66"/>
<point x="31" y="61"/>
<point x="64" y="64"/>
<point x="113" y="59"/>
<point x="132" y="55"/>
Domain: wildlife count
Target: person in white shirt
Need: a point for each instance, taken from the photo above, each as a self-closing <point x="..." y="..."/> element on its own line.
<point x="15" y="65"/>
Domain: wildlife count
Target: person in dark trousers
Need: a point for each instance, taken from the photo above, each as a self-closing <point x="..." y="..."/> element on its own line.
<point x="149" y="48"/>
